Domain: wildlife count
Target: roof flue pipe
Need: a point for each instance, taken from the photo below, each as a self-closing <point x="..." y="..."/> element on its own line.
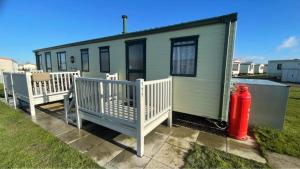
<point x="124" y="17"/>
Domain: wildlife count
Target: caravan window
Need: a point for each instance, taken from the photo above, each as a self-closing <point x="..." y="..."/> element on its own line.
<point x="184" y="56"/>
<point x="104" y="59"/>
<point x="39" y="62"/>
<point x="61" y="60"/>
<point x="235" y="67"/>
<point x="279" y="66"/>
<point x="84" y="60"/>
<point x="48" y="62"/>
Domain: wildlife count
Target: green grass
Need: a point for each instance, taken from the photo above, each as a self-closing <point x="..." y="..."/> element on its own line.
<point x="1" y="90"/>
<point x="24" y="144"/>
<point x="286" y="141"/>
<point x="205" y="157"/>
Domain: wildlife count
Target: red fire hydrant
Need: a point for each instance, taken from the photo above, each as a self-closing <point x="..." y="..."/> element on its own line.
<point x="240" y="102"/>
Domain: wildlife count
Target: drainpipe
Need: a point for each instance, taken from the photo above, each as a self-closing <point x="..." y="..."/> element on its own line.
<point x="124" y="17"/>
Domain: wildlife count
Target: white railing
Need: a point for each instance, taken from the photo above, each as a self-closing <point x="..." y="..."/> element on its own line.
<point x="96" y="97"/>
<point x="8" y="83"/>
<point x="69" y="104"/>
<point x="59" y="82"/>
<point x="112" y="89"/>
<point x="22" y="86"/>
<point x="135" y="108"/>
<point x="158" y="98"/>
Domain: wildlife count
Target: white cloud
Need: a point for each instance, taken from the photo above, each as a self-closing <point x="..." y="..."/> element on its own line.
<point x="255" y="59"/>
<point x="290" y="42"/>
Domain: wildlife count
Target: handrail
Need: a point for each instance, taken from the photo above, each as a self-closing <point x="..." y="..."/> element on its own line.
<point x="104" y="80"/>
<point x="67" y="104"/>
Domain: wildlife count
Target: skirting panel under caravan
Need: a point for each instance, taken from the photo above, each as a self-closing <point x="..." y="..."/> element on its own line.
<point x="269" y="101"/>
<point x="291" y="75"/>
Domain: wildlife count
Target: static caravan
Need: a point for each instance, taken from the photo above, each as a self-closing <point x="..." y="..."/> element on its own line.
<point x="259" y="68"/>
<point x="247" y="68"/>
<point x="27" y="67"/>
<point x="198" y="56"/>
<point x="265" y="68"/>
<point x="7" y="65"/>
<point x="287" y="70"/>
<point x="236" y="68"/>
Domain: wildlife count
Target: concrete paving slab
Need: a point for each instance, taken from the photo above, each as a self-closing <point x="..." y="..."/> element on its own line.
<point x="86" y="143"/>
<point x="183" y="137"/>
<point x="62" y="129"/>
<point x="243" y="149"/>
<point x="125" y="141"/>
<point x="180" y="143"/>
<point x="41" y="115"/>
<point x="54" y="125"/>
<point x="163" y="129"/>
<point x="184" y="133"/>
<point x="47" y="122"/>
<point x="72" y="135"/>
<point x="153" y="164"/>
<point x="153" y="143"/>
<point x="103" y="153"/>
<point x="212" y="140"/>
<point x="249" y="142"/>
<point x="171" y="156"/>
<point x="281" y="161"/>
<point x="127" y="159"/>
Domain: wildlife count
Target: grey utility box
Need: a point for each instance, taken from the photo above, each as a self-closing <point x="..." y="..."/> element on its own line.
<point x="269" y="102"/>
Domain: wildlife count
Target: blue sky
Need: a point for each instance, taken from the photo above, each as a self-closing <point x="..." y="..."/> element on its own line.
<point x="267" y="29"/>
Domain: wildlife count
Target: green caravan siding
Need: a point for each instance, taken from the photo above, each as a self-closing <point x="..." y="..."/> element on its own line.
<point x="200" y="95"/>
<point x="228" y="71"/>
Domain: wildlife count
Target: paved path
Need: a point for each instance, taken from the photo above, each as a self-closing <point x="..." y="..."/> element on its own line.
<point x="164" y="147"/>
<point x="281" y="161"/>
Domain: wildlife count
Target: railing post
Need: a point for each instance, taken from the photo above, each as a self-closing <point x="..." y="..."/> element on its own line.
<point x="66" y="106"/>
<point x="79" y="122"/>
<point x="30" y="95"/>
<point x="78" y="71"/>
<point x="140" y="98"/>
<point x="13" y="91"/>
<point x="5" y="88"/>
<point x="170" y="87"/>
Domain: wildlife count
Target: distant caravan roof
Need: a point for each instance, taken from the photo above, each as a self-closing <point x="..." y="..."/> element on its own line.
<point x="287" y="60"/>
<point x="215" y="20"/>
<point x="247" y="63"/>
